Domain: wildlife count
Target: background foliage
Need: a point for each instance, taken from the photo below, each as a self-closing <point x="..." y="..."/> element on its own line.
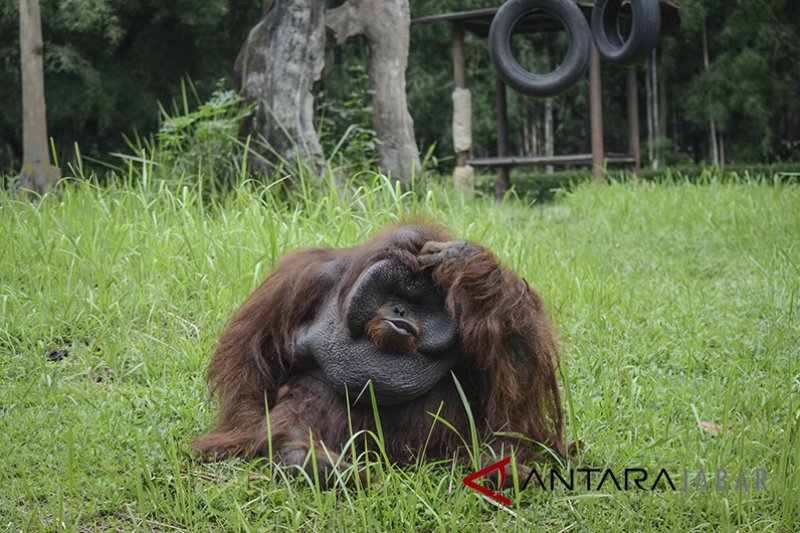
<point x="108" y="63"/>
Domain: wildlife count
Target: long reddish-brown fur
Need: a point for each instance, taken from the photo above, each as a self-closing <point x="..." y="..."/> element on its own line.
<point x="507" y="366"/>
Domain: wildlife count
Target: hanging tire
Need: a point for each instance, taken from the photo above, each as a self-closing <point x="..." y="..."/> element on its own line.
<point x="567" y="73"/>
<point x="644" y="31"/>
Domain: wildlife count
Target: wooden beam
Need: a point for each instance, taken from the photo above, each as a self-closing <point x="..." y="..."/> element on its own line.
<point x="634" y="142"/>
<point x="596" y="113"/>
<point x="503" y="182"/>
<point x="478" y="21"/>
<point x="558" y="160"/>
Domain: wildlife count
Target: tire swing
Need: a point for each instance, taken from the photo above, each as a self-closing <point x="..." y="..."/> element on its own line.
<point x="644" y="31"/>
<point x="567" y="73"/>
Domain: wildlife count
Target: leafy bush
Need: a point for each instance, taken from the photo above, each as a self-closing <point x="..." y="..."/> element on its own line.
<point x="205" y="138"/>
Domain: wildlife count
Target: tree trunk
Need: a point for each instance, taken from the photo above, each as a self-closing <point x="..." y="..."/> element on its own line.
<point x="37" y="173"/>
<point x="277" y="67"/>
<point x="386" y="27"/>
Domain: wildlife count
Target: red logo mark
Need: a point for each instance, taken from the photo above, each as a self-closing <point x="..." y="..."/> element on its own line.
<point x="500" y="465"/>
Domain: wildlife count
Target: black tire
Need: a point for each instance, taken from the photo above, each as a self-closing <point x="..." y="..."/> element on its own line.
<point x="565" y="75"/>
<point x="644" y="31"/>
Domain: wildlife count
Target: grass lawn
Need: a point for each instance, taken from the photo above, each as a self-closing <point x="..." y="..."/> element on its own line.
<point x="678" y="305"/>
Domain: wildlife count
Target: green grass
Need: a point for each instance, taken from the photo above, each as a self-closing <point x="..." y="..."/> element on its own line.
<point x="678" y="304"/>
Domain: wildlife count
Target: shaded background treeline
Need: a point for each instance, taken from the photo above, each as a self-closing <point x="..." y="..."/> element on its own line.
<point x="109" y="63"/>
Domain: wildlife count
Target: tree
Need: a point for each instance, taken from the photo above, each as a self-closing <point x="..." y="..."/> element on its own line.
<point x="284" y="57"/>
<point x="277" y="68"/>
<point x="386" y="26"/>
<point x="744" y="90"/>
<point x="37" y="173"/>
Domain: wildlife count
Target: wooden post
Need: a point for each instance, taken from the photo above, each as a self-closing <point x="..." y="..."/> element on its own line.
<point x="463" y="175"/>
<point x="503" y="182"/>
<point x="459" y="63"/>
<point x="596" y="114"/>
<point x="634" y="143"/>
<point x="459" y="77"/>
